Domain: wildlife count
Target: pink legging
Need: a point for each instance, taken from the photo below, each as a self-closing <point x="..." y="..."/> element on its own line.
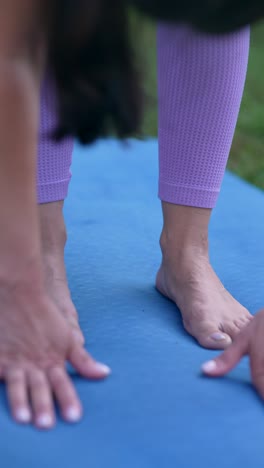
<point x="200" y="85"/>
<point x="54" y="159"/>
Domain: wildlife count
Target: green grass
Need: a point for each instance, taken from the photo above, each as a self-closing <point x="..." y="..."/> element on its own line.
<point x="247" y="154"/>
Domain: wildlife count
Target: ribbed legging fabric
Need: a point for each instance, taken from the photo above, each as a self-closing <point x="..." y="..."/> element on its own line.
<point x="200" y="85"/>
<point x="54" y="159"/>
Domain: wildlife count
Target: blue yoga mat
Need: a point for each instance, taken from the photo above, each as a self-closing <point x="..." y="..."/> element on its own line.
<point x="156" y="410"/>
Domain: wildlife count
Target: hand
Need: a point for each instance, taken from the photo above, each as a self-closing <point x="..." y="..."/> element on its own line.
<point x="35" y="343"/>
<point x="249" y="342"/>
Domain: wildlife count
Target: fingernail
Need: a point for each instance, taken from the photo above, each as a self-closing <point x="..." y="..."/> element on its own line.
<point x="73" y="414"/>
<point x="209" y="366"/>
<point x="218" y="336"/>
<point x="23" y="415"/>
<point x="45" y="421"/>
<point x="103" y="368"/>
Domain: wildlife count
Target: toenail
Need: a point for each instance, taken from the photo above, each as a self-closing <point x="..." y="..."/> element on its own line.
<point x="218" y="336"/>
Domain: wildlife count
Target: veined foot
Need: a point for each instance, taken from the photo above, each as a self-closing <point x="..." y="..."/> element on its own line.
<point x="209" y="312"/>
<point x="53" y="235"/>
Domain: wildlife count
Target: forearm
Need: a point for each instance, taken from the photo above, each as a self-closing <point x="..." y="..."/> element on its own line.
<point x="19" y="115"/>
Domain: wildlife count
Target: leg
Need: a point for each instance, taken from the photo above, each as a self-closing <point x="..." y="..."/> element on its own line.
<point x="201" y="81"/>
<point x="54" y="161"/>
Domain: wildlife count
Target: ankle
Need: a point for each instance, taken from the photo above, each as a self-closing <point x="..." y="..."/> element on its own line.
<point x="184" y="262"/>
<point x="185" y="230"/>
<point x="182" y="246"/>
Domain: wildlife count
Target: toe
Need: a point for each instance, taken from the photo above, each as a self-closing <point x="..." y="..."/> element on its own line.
<point x="241" y="323"/>
<point x="235" y="327"/>
<point x="236" y="323"/>
<point x="244" y="321"/>
<point x="215" y="340"/>
<point x="209" y="335"/>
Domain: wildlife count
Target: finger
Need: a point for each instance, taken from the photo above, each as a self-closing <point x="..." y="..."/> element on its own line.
<point x="65" y="395"/>
<point x="41" y="399"/>
<point x="258" y="381"/>
<point x="78" y="335"/>
<point x="86" y="365"/>
<point x="257" y="368"/>
<point x="17" y="395"/>
<point x="229" y="358"/>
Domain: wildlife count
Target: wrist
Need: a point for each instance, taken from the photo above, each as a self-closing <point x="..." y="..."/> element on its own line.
<point x="21" y="273"/>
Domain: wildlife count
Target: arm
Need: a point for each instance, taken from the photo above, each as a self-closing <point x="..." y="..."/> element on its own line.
<point x="20" y="77"/>
<point x="35" y="340"/>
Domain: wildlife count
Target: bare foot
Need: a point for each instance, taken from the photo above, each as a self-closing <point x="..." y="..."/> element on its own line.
<point x="209" y="312"/>
<point x="53" y="234"/>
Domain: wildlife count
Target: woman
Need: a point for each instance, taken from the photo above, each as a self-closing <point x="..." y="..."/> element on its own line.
<point x="86" y="47"/>
<point x="201" y="81"/>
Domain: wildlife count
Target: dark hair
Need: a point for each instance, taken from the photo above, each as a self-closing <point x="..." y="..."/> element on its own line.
<point x="91" y="58"/>
<point x="212" y="16"/>
<point x="93" y="64"/>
